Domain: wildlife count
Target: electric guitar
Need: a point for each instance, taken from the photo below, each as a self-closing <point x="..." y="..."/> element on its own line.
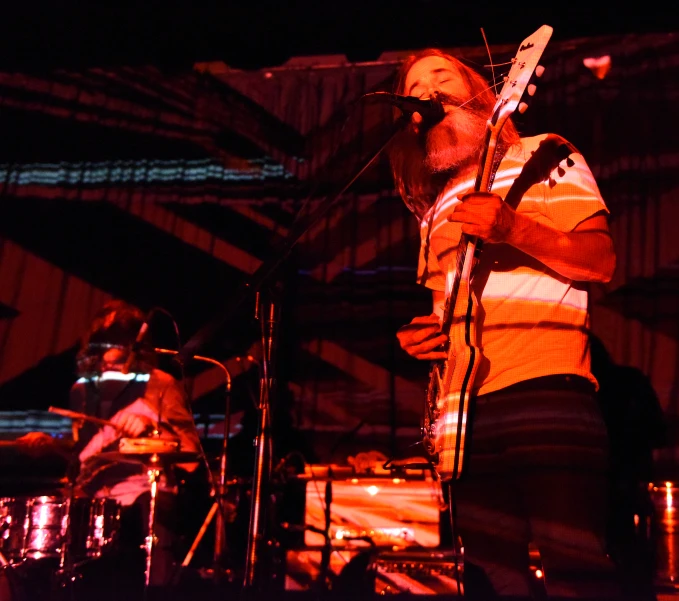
<point x="451" y="380"/>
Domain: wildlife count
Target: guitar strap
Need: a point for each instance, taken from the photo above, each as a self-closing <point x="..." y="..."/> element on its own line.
<point x="539" y="167"/>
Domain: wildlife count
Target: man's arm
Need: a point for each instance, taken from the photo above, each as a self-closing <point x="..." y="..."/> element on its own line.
<point x="176" y="413"/>
<point x="585" y="254"/>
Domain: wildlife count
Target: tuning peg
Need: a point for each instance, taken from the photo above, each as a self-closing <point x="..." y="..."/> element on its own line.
<point x="522" y="107"/>
<point x="531" y="89"/>
<point x="539" y="70"/>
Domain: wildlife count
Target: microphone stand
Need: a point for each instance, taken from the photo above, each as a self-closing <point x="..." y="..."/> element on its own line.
<point x="254" y="284"/>
<point x="263" y="445"/>
<point x="218" y="491"/>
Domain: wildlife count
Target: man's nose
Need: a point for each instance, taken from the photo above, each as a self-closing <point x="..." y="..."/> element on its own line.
<point x="432" y="92"/>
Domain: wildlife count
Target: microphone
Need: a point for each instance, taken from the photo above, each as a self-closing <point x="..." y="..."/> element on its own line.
<point x="431" y="109"/>
<point x="137" y="342"/>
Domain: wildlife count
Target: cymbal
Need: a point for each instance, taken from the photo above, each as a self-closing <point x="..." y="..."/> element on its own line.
<point x="150" y="458"/>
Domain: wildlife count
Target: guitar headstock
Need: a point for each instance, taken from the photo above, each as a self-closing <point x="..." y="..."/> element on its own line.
<point x="524" y="65"/>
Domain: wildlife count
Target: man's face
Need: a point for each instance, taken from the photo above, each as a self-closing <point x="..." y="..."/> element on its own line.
<point x="451" y="143"/>
<point x="435" y="74"/>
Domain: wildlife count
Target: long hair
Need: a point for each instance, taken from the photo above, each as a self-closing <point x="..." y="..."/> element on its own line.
<point x="416" y="185"/>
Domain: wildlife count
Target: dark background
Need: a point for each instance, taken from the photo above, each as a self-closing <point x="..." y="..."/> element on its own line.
<point x="250" y="35"/>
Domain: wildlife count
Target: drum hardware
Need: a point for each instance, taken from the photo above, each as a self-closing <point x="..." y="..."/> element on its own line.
<point x="154" y="475"/>
<point x="213" y="512"/>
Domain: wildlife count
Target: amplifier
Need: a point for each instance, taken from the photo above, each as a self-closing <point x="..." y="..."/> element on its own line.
<point x="384" y="512"/>
<point x="355" y="527"/>
<point x="418" y="572"/>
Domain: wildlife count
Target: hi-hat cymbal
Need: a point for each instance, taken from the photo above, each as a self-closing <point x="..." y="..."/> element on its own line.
<point x="150" y="458"/>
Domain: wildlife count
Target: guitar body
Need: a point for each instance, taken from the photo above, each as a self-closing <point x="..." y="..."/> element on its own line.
<point x="451" y="382"/>
<point x="451" y="388"/>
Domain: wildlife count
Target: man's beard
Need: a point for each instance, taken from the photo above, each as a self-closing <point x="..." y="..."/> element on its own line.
<point x="449" y="148"/>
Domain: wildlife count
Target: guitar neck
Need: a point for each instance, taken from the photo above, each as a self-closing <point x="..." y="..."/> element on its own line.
<point x="471" y="246"/>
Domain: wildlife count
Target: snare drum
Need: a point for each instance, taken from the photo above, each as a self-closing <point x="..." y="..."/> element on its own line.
<point x="32" y="527"/>
<point x="95" y="527"/>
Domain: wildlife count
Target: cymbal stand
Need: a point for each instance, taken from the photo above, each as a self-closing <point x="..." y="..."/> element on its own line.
<point x="153" y="472"/>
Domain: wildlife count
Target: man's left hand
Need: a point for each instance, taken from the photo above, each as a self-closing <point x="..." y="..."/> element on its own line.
<point x="484" y="214"/>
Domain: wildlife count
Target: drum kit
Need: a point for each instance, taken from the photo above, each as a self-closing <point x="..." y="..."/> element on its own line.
<point x="73" y="529"/>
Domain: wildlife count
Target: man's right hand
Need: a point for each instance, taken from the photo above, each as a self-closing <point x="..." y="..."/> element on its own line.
<point x="422" y="337"/>
<point x="132" y="424"/>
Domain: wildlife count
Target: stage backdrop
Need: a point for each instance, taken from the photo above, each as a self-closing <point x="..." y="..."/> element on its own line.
<point x="171" y="190"/>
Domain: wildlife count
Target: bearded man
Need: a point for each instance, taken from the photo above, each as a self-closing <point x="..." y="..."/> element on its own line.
<point x="535" y="473"/>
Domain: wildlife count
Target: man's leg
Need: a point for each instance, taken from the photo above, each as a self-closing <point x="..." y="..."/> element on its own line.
<point x="490" y="519"/>
<point x="561" y="472"/>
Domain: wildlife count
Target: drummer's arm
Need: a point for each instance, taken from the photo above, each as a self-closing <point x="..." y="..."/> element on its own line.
<point x="177" y="414"/>
<point x="104" y="437"/>
<point x="38" y="444"/>
<point x="132" y="420"/>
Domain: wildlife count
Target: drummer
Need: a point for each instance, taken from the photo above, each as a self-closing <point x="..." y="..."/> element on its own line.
<point x="120" y="382"/>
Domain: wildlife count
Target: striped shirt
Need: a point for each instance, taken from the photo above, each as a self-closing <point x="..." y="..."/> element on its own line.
<point x="532" y="321"/>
